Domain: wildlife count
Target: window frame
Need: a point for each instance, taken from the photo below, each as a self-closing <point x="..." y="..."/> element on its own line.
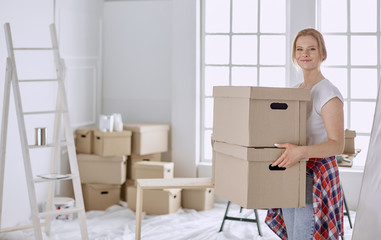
<point x="230" y="65"/>
<point x="299" y="14"/>
<point x="349" y="66"/>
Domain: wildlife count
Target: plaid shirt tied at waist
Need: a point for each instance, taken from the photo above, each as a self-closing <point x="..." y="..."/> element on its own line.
<point x="327" y="202"/>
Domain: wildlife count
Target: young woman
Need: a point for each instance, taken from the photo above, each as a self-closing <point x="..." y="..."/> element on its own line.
<point x="322" y="218"/>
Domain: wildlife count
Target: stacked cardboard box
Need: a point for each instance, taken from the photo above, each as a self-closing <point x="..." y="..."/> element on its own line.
<point x="156" y="201"/>
<point x="148" y="138"/>
<point x="148" y="142"/>
<point x="349" y="146"/>
<point x="84" y="140"/>
<point x="102" y="162"/>
<point x="248" y="121"/>
<point x="198" y="199"/>
<point x="104" y="168"/>
<point x="133" y="159"/>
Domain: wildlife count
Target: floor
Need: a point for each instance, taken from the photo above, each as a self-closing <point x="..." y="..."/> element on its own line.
<point x="118" y="223"/>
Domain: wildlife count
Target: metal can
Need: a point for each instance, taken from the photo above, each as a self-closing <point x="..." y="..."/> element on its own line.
<point x="41" y="134"/>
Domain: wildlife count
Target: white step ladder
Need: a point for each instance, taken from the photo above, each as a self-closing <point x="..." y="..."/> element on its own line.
<point x="61" y="112"/>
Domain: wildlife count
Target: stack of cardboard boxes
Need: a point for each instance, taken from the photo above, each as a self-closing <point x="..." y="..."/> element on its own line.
<point x="102" y="160"/>
<point x="110" y="162"/>
<point x="248" y="121"/>
<point x="148" y="142"/>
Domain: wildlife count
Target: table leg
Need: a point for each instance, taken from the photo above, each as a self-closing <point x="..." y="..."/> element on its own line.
<point x="139" y="208"/>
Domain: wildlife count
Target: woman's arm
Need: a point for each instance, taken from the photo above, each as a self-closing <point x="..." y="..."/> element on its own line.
<point x="333" y="118"/>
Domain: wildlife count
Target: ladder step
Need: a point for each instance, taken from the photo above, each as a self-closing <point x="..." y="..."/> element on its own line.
<point x="44" y="112"/>
<point x="61" y="211"/>
<point x="38" y="80"/>
<point x="51" y="145"/>
<point x="53" y="177"/>
<point x="22" y="227"/>
<point x="61" y="109"/>
<point x="38" y="49"/>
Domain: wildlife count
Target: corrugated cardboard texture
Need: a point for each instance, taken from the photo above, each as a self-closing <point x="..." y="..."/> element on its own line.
<point x="242" y="175"/>
<point x="153" y="170"/>
<point x="198" y="199"/>
<point x="97" y="169"/>
<point x="100" y="196"/>
<point x="133" y="159"/>
<point x="260" y="117"/>
<point x="148" y="138"/>
<point x="156" y="201"/>
<point x="84" y="140"/>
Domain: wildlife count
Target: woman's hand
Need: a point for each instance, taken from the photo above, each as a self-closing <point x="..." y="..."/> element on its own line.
<point x="291" y="155"/>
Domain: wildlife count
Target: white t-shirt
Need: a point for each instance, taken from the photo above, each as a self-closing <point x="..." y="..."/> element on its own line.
<point x="321" y="93"/>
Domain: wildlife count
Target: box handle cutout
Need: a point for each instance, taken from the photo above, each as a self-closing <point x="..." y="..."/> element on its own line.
<point x="276" y="168"/>
<point x="83" y="135"/>
<point x="98" y="138"/>
<point x="146" y="159"/>
<point x="278" y="106"/>
<point x="104" y="192"/>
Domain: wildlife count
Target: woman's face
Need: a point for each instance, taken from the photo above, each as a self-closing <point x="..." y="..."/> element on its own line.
<point x="307" y="53"/>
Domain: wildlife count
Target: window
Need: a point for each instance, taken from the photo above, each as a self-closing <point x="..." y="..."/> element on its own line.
<point x="351" y="29"/>
<point x="244" y="43"/>
<point x="247" y="42"/>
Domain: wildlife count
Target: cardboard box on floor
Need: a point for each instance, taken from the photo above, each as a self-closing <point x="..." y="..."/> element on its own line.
<point x="148" y="138"/>
<point x="243" y="176"/>
<point x="153" y="170"/>
<point x="198" y="199"/>
<point x="123" y="190"/>
<point x="133" y="159"/>
<point x="260" y="116"/>
<point x="84" y="140"/>
<point x="97" y="169"/>
<point x="100" y="196"/>
<point x="108" y="144"/>
<point x="156" y="201"/>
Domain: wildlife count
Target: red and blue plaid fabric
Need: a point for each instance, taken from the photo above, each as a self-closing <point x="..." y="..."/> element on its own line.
<point x="327" y="202"/>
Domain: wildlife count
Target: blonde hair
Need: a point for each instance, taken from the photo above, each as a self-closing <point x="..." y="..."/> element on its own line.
<point x="315" y="34"/>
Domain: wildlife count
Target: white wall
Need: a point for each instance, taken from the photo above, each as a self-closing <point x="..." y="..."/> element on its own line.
<point x="137" y="61"/>
<point x="79" y="30"/>
<point x="150" y="71"/>
<point x="30" y="24"/>
<point x="185" y="87"/>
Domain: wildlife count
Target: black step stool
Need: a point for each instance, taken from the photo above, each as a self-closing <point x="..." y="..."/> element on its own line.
<point x="226" y="217"/>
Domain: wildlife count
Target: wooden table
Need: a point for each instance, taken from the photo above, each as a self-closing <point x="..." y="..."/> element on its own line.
<point x="161" y="183"/>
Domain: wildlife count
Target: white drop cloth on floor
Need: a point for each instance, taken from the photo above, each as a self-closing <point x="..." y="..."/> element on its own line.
<point x="118" y="223"/>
